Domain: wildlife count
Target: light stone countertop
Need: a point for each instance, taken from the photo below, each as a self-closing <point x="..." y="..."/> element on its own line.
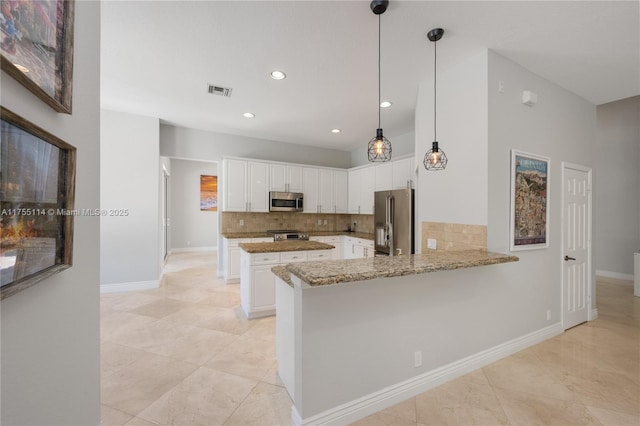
<point x="293" y="245"/>
<point x="281" y="272"/>
<point x="341" y="271"/>
<point x="239" y="235"/>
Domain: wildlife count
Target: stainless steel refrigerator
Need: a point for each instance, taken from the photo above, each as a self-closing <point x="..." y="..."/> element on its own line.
<point x="393" y="219"/>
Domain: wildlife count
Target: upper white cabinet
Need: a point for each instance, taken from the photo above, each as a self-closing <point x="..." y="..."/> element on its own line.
<point x="310" y="189"/>
<point x="285" y="178"/>
<point x="246" y="186"/>
<point x="403" y="173"/>
<point x="332" y="191"/>
<point x="384" y="176"/>
<point x="361" y="190"/>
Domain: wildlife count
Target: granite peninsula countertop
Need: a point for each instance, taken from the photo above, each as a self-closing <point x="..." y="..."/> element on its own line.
<point x="293" y="245"/>
<point x="340" y="271"/>
<point x="281" y="272"/>
<point x="238" y="235"/>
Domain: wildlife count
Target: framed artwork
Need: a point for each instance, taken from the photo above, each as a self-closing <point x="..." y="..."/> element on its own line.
<point x="529" y="201"/>
<point x="37" y="184"/>
<point x="37" y="48"/>
<point x="209" y="193"/>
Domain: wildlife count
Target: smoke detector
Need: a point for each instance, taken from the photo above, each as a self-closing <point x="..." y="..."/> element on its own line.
<point x="219" y="90"/>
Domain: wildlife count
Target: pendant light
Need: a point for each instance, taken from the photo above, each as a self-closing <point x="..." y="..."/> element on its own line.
<point x="435" y="158"/>
<point x="379" y="146"/>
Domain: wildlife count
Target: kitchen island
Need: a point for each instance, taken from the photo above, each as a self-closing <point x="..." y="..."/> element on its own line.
<point x="257" y="283"/>
<point x="356" y="336"/>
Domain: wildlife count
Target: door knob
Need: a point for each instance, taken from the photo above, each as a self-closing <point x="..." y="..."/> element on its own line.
<point x="569" y="258"/>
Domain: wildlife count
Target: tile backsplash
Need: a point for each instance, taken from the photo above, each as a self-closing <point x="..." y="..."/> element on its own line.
<point x="259" y="222"/>
<point x="454" y="236"/>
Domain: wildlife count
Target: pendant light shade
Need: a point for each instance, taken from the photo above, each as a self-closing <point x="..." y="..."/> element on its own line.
<point x="379" y="147"/>
<point x="435" y="159"/>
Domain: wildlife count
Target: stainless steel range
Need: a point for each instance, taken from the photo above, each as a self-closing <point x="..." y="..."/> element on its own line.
<point x="287" y="234"/>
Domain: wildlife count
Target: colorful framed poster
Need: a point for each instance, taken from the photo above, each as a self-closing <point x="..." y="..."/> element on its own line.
<point x="37" y="186"/>
<point x="529" y="201"/>
<point x="36" y="48"/>
<point x="209" y="193"/>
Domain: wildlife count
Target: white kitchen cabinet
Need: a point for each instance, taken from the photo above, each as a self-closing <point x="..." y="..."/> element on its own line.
<point x="310" y="189"/>
<point x="384" y="176"/>
<point x="257" y="284"/>
<point x="335" y="241"/>
<point x="246" y="186"/>
<point x="357" y="248"/>
<point x="232" y="257"/>
<point x="403" y="173"/>
<point x="234" y="178"/>
<point x="285" y="178"/>
<point x="361" y="190"/>
<point x="332" y="191"/>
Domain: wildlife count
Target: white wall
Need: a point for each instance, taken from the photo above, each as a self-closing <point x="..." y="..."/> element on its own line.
<point x="50" y="332"/>
<point x="181" y="142"/>
<point x="459" y="193"/>
<point x="617" y="205"/>
<point x="129" y="161"/>
<point x="401" y="144"/>
<point x="191" y="228"/>
<point x="562" y="127"/>
<point x="477" y="128"/>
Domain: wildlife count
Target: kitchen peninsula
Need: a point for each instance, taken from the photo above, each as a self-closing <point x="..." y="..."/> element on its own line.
<point x="356" y="336"/>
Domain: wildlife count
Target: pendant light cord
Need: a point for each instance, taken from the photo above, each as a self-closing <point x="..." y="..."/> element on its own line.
<point x="434" y="90"/>
<point x="379" y="78"/>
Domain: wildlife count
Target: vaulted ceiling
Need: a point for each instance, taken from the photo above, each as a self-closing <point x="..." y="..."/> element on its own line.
<point x="158" y="58"/>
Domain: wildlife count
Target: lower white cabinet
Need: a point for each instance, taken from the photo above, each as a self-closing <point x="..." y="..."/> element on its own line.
<point x="258" y="283"/>
<point x="232" y="264"/>
<point x="334" y="240"/>
<point x="357" y="248"/>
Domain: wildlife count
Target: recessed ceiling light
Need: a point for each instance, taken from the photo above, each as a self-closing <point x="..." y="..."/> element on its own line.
<point x="385" y="104"/>
<point x="249" y="115"/>
<point x="22" y="68"/>
<point x="335" y="130"/>
<point x="278" y="75"/>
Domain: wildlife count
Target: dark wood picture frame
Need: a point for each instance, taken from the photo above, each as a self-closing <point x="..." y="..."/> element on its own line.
<point x="38" y="52"/>
<point x="37" y="191"/>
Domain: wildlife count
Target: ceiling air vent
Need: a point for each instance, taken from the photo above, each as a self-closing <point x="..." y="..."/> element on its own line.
<point x="219" y="90"/>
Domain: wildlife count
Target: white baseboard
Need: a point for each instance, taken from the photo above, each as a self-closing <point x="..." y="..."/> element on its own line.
<point x="616" y="275"/>
<point x="193" y="249"/>
<point x="391" y="395"/>
<point x="122" y="287"/>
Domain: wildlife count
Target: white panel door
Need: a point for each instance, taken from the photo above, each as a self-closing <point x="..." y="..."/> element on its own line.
<point x="384" y="176"/>
<point x="576" y="241"/>
<point x="277" y="177"/>
<point x="403" y="173"/>
<point x="368" y="187"/>
<point x="325" y="190"/>
<point x="294" y="179"/>
<point x="355" y="189"/>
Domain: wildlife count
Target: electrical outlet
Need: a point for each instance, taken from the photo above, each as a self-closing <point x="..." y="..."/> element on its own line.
<point x="548" y="314"/>
<point x="319" y="221"/>
<point x="325" y="221"/>
<point x="417" y="359"/>
<point x="241" y="222"/>
<point x="432" y="243"/>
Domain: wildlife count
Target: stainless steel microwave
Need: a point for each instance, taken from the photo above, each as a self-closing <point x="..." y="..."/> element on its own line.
<point x="286" y="201"/>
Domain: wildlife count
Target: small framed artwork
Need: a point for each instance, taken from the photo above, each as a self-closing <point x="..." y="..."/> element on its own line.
<point x="37" y="184"/>
<point x="209" y="193"/>
<point x="37" y="48"/>
<point x="529" y="201"/>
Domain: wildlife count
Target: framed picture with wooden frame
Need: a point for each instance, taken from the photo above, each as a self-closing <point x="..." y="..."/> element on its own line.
<point x="37" y="48"/>
<point x="529" y="201"/>
<point x="37" y="188"/>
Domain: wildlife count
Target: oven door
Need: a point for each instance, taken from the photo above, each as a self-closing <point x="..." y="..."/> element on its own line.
<point x="286" y="201"/>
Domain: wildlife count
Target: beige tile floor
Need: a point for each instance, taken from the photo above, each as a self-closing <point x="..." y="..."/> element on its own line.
<point x="184" y="354"/>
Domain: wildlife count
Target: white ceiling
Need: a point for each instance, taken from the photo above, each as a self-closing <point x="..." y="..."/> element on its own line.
<point x="158" y="57"/>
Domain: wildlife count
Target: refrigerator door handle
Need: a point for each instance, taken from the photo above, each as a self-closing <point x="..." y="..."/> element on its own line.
<point x="390" y="213"/>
